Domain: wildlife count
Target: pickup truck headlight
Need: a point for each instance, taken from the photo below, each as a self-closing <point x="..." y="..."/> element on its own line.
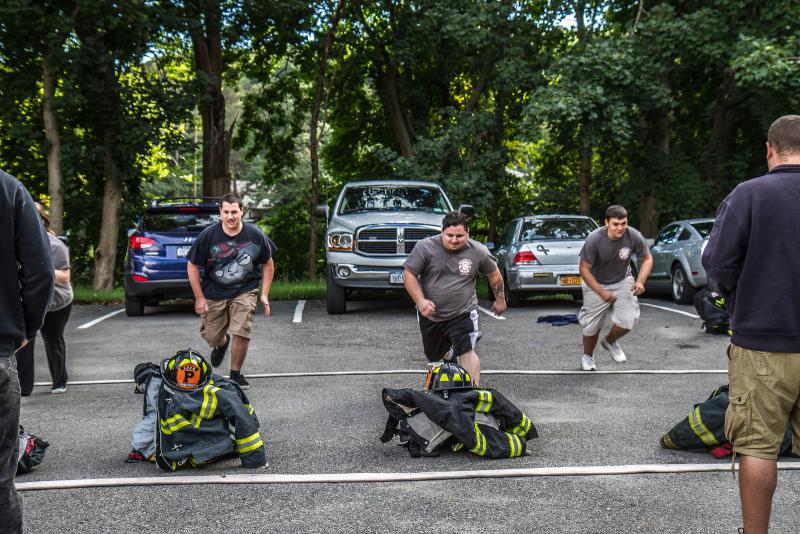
<point x="340" y="241"/>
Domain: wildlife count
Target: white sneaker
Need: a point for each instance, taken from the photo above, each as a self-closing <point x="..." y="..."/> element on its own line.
<point x="616" y="351"/>
<point x="587" y="363"/>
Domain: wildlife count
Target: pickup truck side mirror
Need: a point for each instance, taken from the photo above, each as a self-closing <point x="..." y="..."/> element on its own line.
<point x="466" y="209"/>
<point x="322" y="211"/>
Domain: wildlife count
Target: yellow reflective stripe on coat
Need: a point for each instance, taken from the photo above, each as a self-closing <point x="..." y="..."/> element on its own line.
<point x="249" y="443"/>
<point x="484" y="402"/>
<point x="212" y="391"/>
<point x="514" y="444"/>
<point x="480" y="442"/>
<point x="700" y="429"/>
<point x="511" y="445"/>
<point x="173" y="424"/>
<point x="523" y="427"/>
<point x="250" y="408"/>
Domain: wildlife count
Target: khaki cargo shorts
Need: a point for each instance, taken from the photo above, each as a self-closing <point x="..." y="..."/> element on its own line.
<point x="624" y="311"/>
<point x="764" y="395"/>
<point x="232" y="315"/>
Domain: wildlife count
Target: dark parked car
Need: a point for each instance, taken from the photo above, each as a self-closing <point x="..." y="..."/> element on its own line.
<point x="677" y="251"/>
<point x="539" y="254"/>
<point x="155" y="265"/>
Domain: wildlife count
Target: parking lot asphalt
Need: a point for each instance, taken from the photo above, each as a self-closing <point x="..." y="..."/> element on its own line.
<point x="331" y="425"/>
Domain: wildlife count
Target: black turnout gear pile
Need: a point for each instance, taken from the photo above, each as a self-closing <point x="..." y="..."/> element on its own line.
<point x="193" y="427"/>
<point x="713" y="311"/>
<point x="704" y="428"/>
<point x="482" y="421"/>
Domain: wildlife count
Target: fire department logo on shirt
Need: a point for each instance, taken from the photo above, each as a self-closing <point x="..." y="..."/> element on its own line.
<point x="465" y="266"/>
<point x="624" y="253"/>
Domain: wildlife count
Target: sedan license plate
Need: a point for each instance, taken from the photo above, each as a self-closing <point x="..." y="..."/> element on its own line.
<point x="396" y="277"/>
<point x="570" y="280"/>
<point x="182" y="251"/>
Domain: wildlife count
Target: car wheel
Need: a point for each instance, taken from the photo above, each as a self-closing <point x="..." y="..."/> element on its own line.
<point x="336" y="297"/>
<point x="682" y="291"/>
<point x="513" y="298"/>
<point x="134" y="306"/>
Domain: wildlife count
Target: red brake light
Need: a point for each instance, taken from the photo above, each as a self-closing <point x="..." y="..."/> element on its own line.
<point x="525" y="257"/>
<point x="138" y="242"/>
<point x="139" y="278"/>
<point x="188" y="209"/>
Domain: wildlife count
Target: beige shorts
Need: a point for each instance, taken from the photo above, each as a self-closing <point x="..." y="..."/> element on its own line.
<point x="232" y="315"/>
<point x="764" y="396"/>
<point x="624" y="311"/>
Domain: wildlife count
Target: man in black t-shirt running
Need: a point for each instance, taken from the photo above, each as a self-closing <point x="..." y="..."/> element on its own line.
<point x="236" y="256"/>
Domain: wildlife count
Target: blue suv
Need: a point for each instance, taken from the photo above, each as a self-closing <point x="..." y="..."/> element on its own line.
<point x="155" y="265"/>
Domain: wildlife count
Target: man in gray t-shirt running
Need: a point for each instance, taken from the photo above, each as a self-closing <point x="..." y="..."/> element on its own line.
<point x="440" y="277"/>
<point x="608" y="287"/>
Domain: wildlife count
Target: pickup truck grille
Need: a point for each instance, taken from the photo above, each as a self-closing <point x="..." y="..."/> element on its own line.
<point x="390" y="240"/>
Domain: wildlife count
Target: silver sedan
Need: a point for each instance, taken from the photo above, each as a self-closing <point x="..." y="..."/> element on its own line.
<point x="539" y="253"/>
<point x="677" y="251"/>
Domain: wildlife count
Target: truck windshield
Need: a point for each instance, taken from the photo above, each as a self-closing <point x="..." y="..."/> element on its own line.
<point x="393" y="198"/>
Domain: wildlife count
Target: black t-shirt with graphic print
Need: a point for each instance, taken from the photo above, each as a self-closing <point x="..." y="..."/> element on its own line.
<point x="232" y="264"/>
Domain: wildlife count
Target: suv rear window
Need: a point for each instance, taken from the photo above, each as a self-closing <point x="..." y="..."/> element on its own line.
<point x="178" y="221"/>
<point x="393" y="198"/>
<point x="535" y="229"/>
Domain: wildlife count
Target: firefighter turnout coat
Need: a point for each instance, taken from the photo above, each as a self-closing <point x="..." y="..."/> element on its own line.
<point x="481" y="421"/>
<point x="197" y="427"/>
<point x="704" y="428"/>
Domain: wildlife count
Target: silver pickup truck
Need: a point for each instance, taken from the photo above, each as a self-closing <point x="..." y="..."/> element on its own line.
<point x="372" y="228"/>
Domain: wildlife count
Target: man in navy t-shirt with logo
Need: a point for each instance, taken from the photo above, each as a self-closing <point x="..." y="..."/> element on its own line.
<point x="236" y="257"/>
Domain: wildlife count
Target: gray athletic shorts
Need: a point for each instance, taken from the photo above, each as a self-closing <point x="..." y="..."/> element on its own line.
<point x="624" y="311"/>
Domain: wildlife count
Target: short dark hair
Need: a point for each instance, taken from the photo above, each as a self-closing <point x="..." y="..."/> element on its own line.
<point x="616" y="212"/>
<point x="232" y="198"/>
<point x="784" y="134"/>
<point x="455" y="218"/>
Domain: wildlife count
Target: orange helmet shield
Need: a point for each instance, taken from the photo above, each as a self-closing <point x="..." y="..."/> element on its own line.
<point x="188" y="375"/>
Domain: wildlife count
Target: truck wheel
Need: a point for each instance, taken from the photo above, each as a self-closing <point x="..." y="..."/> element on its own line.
<point x="682" y="291"/>
<point x="134" y="306"/>
<point x="337" y="298"/>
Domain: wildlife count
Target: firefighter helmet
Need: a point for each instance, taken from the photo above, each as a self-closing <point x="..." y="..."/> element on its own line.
<point x="450" y="375"/>
<point x="186" y="370"/>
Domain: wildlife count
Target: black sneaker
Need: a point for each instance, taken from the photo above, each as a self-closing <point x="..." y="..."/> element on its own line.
<point x="218" y="353"/>
<point x="239" y="379"/>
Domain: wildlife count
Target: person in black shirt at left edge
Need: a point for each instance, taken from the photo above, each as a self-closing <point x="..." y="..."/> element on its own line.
<point x="26" y="288"/>
<point x="237" y="257"/>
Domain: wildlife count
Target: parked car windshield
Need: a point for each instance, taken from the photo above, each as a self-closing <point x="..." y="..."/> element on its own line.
<point x="538" y="229"/>
<point x="393" y="198"/>
<point x="181" y="221"/>
<point x="703" y="228"/>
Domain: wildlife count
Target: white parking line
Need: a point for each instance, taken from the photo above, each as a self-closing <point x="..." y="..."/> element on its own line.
<point x="423" y="371"/>
<point x="330" y="478"/>
<point x="490" y="313"/>
<point x="103" y="318"/>
<point x="298" y="311"/>
<point x="673" y="310"/>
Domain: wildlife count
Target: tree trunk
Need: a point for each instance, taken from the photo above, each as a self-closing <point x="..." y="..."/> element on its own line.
<point x="105" y="255"/>
<point x="205" y="27"/>
<point x="396" y="112"/>
<point x="584" y="179"/>
<point x="53" y="148"/>
<point x="314" y="140"/>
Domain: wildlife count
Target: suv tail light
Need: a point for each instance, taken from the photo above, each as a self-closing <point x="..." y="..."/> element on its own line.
<point x="138" y="242"/>
<point x="526" y="257"/>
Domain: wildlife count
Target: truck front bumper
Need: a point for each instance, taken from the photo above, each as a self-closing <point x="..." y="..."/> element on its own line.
<point x="366" y="273"/>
